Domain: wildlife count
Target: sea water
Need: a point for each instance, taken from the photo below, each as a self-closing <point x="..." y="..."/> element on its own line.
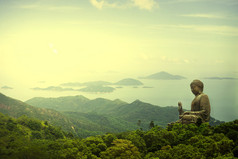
<point x="223" y="95"/>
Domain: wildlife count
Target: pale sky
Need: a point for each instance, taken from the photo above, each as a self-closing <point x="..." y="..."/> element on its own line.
<point x="85" y="40"/>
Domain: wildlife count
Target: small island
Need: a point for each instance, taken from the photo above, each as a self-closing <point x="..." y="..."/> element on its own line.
<point x="97" y="89"/>
<point x="163" y="76"/>
<point x="221" y="78"/>
<point x="129" y="82"/>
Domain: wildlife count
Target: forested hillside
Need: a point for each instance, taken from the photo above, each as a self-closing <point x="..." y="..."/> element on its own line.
<point x="16" y="108"/>
<point x="82" y="124"/>
<point x="34" y="139"/>
<point x="129" y="112"/>
<point x="84" y="117"/>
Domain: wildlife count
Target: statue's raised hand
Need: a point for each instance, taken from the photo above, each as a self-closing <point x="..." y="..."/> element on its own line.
<point x="180" y="105"/>
<point x="180" y="108"/>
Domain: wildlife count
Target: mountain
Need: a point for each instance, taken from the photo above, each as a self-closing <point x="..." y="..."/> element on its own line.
<point x="76" y="103"/>
<point x="84" y="117"/>
<point x="122" y="111"/>
<point x="163" y="76"/>
<point x="81" y="124"/>
<point x="16" y="108"/>
<point x="6" y="87"/>
<point x="139" y="110"/>
<point x="132" y="112"/>
<point x="128" y="82"/>
<point x="221" y="78"/>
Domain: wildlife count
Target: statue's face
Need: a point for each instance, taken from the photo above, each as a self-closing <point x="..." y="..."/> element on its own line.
<point x="195" y="89"/>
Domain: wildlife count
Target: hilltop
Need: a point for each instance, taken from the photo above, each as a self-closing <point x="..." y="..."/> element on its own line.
<point x="163" y="76"/>
<point x="129" y="82"/>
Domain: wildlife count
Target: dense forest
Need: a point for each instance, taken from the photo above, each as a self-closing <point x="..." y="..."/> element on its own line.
<point x="25" y="137"/>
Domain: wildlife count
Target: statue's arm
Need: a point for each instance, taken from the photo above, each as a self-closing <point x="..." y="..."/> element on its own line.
<point x="180" y="108"/>
<point x="205" y="107"/>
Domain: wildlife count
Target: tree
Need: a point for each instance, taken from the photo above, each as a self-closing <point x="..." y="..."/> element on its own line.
<point x="152" y="124"/>
<point x="182" y="151"/>
<point x="123" y="149"/>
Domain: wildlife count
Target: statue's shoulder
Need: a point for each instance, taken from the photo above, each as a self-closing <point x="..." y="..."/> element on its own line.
<point x="204" y="95"/>
<point x="204" y="98"/>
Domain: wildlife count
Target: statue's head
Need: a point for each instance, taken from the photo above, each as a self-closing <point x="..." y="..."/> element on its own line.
<point x="196" y="87"/>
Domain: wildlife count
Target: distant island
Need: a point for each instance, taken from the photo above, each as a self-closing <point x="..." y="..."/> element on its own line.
<point x="123" y="82"/>
<point x="92" y="86"/>
<point x="147" y="87"/>
<point x="163" y="76"/>
<point x="6" y="87"/>
<point x="128" y="82"/>
<point x="221" y="78"/>
<point x="91" y="83"/>
<point x="97" y="89"/>
<point x="53" y="88"/>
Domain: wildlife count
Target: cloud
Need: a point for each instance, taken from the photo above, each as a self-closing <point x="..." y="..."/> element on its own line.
<point x="98" y="4"/>
<point x="144" y="56"/>
<point x="188" y="1"/>
<point x="6" y="87"/>
<point x="204" y="16"/>
<point x="214" y="29"/>
<point x="224" y="30"/>
<point x="219" y="61"/>
<point x="28" y="6"/>
<point x="63" y="8"/>
<point x="141" y="4"/>
<point x="174" y="60"/>
<point x="186" y="61"/>
<point x="145" y="4"/>
<point x="170" y="60"/>
<point x="51" y="8"/>
<point x="54" y="50"/>
<point x="41" y="81"/>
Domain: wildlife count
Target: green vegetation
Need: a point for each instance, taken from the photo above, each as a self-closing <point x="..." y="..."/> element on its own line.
<point x="116" y="109"/>
<point x="16" y="108"/>
<point x="25" y="137"/>
<point x="84" y="117"/>
<point x="123" y="111"/>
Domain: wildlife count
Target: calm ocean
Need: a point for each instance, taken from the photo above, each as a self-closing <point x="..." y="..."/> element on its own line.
<point x="223" y="95"/>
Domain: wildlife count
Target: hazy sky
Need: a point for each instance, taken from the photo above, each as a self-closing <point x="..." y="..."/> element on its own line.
<point x="80" y="40"/>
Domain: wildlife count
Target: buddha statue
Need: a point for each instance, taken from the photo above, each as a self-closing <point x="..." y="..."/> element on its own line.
<point x="200" y="107"/>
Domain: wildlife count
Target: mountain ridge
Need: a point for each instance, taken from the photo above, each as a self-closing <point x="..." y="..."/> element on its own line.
<point x="131" y="112"/>
<point x="85" y="117"/>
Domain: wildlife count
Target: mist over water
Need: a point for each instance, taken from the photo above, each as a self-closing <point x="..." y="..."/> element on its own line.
<point x="222" y="94"/>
